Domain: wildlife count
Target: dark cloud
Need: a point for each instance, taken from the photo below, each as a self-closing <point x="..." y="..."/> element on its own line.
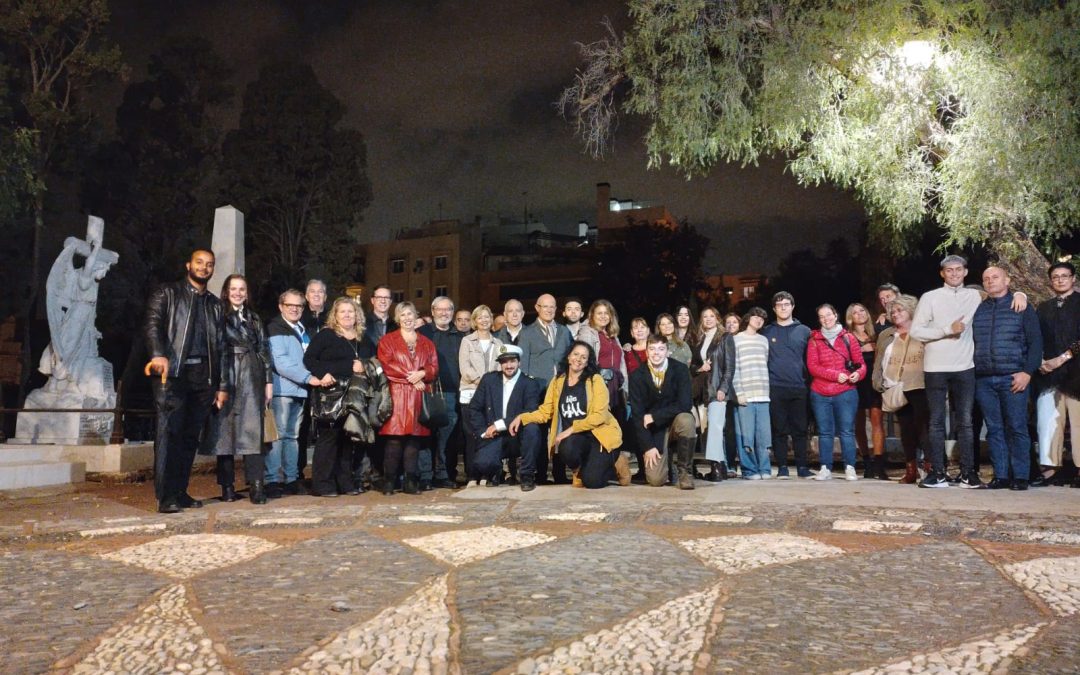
<point x="455" y="100"/>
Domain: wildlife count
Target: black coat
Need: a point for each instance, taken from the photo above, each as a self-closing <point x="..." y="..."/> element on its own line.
<point x="237" y="429"/>
<point x="664" y="404"/>
<point x="167" y="325"/>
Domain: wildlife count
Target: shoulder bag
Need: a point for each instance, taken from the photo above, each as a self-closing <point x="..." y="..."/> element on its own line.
<point x="433" y="413"/>
<point x="894" y="398"/>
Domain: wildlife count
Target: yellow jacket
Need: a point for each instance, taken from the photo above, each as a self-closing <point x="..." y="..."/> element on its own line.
<point x="598" y="419"/>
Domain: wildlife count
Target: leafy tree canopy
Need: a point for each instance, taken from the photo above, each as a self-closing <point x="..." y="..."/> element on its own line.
<point x="963" y="112"/>
<point x="300" y="179"/>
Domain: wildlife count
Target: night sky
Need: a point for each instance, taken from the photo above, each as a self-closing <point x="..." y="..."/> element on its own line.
<point x="455" y="101"/>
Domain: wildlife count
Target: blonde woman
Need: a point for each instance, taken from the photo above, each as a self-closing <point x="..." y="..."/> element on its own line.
<point x="477" y="356"/>
<point x="901" y="363"/>
<point x="860" y="324"/>
<point x="411" y="365"/>
<point x="339" y="351"/>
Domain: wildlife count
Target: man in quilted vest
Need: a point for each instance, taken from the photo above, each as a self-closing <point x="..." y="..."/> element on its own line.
<point x="1008" y="351"/>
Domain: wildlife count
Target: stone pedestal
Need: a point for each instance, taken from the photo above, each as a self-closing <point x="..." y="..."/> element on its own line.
<point x="228" y="245"/>
<point x="23" y="466"/>
<point x="56" y="428"/>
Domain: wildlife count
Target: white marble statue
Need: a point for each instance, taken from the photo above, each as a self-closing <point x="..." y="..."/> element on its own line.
<point x="78" y="377"/>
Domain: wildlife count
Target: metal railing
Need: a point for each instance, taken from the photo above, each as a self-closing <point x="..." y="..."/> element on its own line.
<point x="118" y="412"/>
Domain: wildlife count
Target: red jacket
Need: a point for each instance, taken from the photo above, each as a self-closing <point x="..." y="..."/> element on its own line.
<point x="397" y="363"/>
<point x="825" y="362"/>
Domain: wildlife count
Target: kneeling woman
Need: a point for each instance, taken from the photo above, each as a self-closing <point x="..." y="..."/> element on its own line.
<point x="583" y="431"/>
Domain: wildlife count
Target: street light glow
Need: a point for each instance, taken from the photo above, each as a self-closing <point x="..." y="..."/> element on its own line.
<point x="918" y="53"/>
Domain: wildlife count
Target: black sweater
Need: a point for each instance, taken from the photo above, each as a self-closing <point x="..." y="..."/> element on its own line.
<point x="331" y="353"/>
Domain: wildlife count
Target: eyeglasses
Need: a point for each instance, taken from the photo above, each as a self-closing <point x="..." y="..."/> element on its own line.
<point x="1060" y="277"/>
<point x="382" y="297"/>
<point x="783" y="303"/>
<point x="285" y="304"/>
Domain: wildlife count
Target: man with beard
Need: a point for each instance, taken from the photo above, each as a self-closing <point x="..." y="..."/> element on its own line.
<point x="185" y="336"/>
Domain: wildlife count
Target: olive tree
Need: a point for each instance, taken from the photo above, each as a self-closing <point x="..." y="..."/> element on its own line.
<point x="962" y="113"/>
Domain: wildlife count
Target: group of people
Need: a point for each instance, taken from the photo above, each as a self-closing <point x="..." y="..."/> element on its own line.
<point x="389" y="398"/>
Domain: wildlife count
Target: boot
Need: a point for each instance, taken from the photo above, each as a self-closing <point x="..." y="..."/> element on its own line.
<point x="622" y="469"/>
<point x="256" y="492"/>
<point x="879" y="468"/>
<point x="576" y="481"/>
<point x="228" y="493"/>
<point x="411" y="486"/>
<point x="684" y="463"/>
<point x="388" y="486"/>
<point x="868" y="466"/>
<point x="716" y="473"/>
<point x="911" y="473"/>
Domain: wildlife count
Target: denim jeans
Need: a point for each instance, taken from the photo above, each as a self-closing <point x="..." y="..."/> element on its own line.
<point x="1006" y="425"/>
<point x="960" y="387"/>
<point x="284" y="452"/>
<point x="835" y="416"/>
<point x="753" y="433"/>
<point x="438" y="440"/>
<point x="714" y="444"/>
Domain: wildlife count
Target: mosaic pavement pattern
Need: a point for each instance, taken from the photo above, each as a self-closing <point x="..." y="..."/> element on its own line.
<point x="541" y="587"/>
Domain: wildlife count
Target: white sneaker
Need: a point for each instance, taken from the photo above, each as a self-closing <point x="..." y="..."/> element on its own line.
<point x="849" y="473"/>
<point x="472" y="484"/>
<point x="753" y="476"/>
<point x="824" y="474"/>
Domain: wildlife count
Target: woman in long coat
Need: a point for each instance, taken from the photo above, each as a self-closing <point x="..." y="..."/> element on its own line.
<point x="237" y="429"/>
<point x="410" y="363"/>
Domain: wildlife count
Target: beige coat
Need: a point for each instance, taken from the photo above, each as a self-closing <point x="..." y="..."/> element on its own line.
<point x="912" y="376"/>
<point x="473" y="363"/>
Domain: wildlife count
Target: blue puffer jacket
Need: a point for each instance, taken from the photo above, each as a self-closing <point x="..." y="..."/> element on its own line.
<point x="287" y="352"/>
<point x="1006" y="342"/>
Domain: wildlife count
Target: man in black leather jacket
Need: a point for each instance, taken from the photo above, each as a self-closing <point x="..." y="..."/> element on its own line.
<point x="185" y="336"/>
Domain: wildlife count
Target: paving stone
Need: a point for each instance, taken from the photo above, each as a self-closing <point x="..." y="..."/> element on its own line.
<point x="976" y="656"/>
<point x="411" y="637"/>
<point x="1056" y="580"/>
<point x="40" y="590"/>
<point x="458" y="547"/>
<point x="1054" y="651"/>
<point x="860" y="611"/>
<point x="163" y="638"/>
<point x="470" y="513"/>
<point x="671" y="636"/>
<point x="523" y="601"/>
<point x="583" y="511"/>
<point x="740" y="553"/>
<point x="186" y="555"/>
<point x="273" y="607"/>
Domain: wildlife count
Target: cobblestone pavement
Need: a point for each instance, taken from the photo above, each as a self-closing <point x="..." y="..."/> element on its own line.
<point x="728" y="578"/>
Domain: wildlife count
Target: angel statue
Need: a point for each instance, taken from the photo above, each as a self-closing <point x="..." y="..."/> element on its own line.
<point x="78" y="377"/>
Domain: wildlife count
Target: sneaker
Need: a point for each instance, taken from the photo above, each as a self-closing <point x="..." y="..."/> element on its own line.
<point x="472" y="484"/>
<point x="782" y="473"/>
<point x="752" y="476"/>
<point x="971" y="481"/>
<point x="999" y="484"/>
<point x="953" y="480"/>
<point x="824" y="474"/>
<point x="850" y="473"/>
<point x="1019" y="484"/>
<point x="934" y="480"/>
<point x="804" y="472"/>
<point x="766" y="476"/>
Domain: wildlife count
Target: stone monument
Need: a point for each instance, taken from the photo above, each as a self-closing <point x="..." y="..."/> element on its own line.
<point x="228" y="245"/>
<point x="78" y="376"/>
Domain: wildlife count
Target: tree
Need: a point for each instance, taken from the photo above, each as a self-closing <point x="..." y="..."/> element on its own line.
<point x="300" y="179"/>
<point x="155" y="182"/>
<point x="57" y="52"/>
<point x="649" y="268"/>
<point x="962" y="113"/>
<point x="817" y="279"/>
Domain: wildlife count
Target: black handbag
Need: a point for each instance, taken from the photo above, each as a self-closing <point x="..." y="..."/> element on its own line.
<point x="328" y="403"/>
<point x="433" y="413"/>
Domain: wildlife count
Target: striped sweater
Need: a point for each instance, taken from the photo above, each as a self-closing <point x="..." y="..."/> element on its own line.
<point x="751" y="368"/>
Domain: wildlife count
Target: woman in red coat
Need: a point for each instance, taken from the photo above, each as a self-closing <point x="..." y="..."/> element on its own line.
<point x="411" y="365"/>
